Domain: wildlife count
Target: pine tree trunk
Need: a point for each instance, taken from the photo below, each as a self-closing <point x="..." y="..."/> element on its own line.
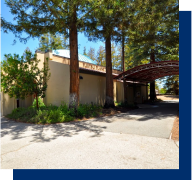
<point x="152" y="84"/>
<point x="74" y="64"/>
<point x="109" y="101"/>
<point x="123" y="69"/>
<point x="123" y="55"/>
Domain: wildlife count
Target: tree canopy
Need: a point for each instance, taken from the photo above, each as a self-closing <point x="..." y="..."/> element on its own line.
<point x="37" y="17"/>
<point x="155" y="29"/>
<point x="21" y="77"/>
<point x="147" y="29"/>
<point x="105" y="25"/>
<point x="53" y="42"/>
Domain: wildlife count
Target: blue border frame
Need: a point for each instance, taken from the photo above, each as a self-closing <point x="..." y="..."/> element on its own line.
<point x="185" y="92"/>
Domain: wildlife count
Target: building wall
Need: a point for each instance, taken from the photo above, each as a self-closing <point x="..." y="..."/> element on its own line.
<point x="81" y="63"/>
<point x="139" y="96"/>
<point x="130" y="95"/>
<point x="58" y="84"/>
<point x="8" y="104"/>
<point x="119" y="92"/>
<point x="41" y="56"/>
<point x="144" y="92"/>
<point x="92" y="89"/>
<point x="28" y="101"/>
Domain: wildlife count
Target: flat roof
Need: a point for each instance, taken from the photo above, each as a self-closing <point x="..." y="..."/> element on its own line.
<point x="66" y="53"/>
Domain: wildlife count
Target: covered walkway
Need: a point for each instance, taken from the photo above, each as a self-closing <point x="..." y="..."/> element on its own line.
<point x="150" y="72"/>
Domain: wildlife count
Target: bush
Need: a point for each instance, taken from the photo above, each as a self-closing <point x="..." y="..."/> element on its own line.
<point x="88" y="110"/>
<point x="22" y="113"/>
<point x="53" y="114"/>
<point x="162" y="91"/>
<point x="40" y="103"/>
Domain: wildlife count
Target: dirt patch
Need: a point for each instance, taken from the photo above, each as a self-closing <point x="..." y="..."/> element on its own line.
<point x="175" y="129"/>
<point x="168" y="97"/>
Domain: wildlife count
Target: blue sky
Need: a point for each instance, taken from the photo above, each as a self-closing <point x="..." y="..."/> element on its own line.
<point x="7" y="39"/>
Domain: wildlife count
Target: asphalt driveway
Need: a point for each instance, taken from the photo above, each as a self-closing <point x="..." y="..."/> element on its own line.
<point x="153" y="120"/>
<point x="138" y="139"/>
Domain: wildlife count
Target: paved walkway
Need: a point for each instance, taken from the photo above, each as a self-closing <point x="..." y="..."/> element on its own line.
<point x="134" y="140"/>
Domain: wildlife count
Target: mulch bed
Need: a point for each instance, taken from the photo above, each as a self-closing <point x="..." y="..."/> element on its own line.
<point x="175" y="129"/>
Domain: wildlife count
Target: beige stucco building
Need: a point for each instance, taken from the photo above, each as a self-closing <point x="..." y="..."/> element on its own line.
<point x="92" y="83"/>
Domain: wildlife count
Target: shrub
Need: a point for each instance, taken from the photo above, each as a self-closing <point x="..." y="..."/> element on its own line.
<point x="40" y="103"/>
<point x="22" y="113"/>
<point x="53" y="114"/>
<point x="40" y="118"/>
<point x="86" y="110"/>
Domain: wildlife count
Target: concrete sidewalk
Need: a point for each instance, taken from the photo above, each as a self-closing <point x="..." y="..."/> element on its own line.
<point x="92" y="144"/>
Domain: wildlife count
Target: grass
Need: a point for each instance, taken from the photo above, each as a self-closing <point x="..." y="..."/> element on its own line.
<point x="54" y="114"/>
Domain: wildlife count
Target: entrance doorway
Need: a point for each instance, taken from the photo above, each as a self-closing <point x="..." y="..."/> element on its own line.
<point x="17" y="103"/>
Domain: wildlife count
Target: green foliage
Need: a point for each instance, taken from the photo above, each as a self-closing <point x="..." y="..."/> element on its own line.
<point x="149" y="28"/>
<point x="53" y="114"/>
<point x="88" y="110"/>
<point x="35" y="18"/>
<point x="171" y="84"/>
<point x="105" y="19"/>
<point x="131" y="59"/>
<point x="21" y="76"/>
<point x="100" y="57"/>
<point x="40" y="103"/>
<point x="84" y="51"/>
<point x="23" y="114"/>
<point x="52" y="42"/>
<point x="116" y="56"/>
<point x="162" y="91"/>
<point x="155" y="30"/>
<point x="91" y="53"/>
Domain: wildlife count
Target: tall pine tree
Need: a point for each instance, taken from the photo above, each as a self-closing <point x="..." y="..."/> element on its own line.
<point x="52" y="42"/>
<point x="104" y="22"/>
<point x="154" y="34"/>
<point x="91" y="53"/>
<point x="100" y="57"/>
<point x="37" y="17"/>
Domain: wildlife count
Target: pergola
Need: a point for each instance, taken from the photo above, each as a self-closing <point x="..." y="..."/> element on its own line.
<point x="150" y="72"/>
